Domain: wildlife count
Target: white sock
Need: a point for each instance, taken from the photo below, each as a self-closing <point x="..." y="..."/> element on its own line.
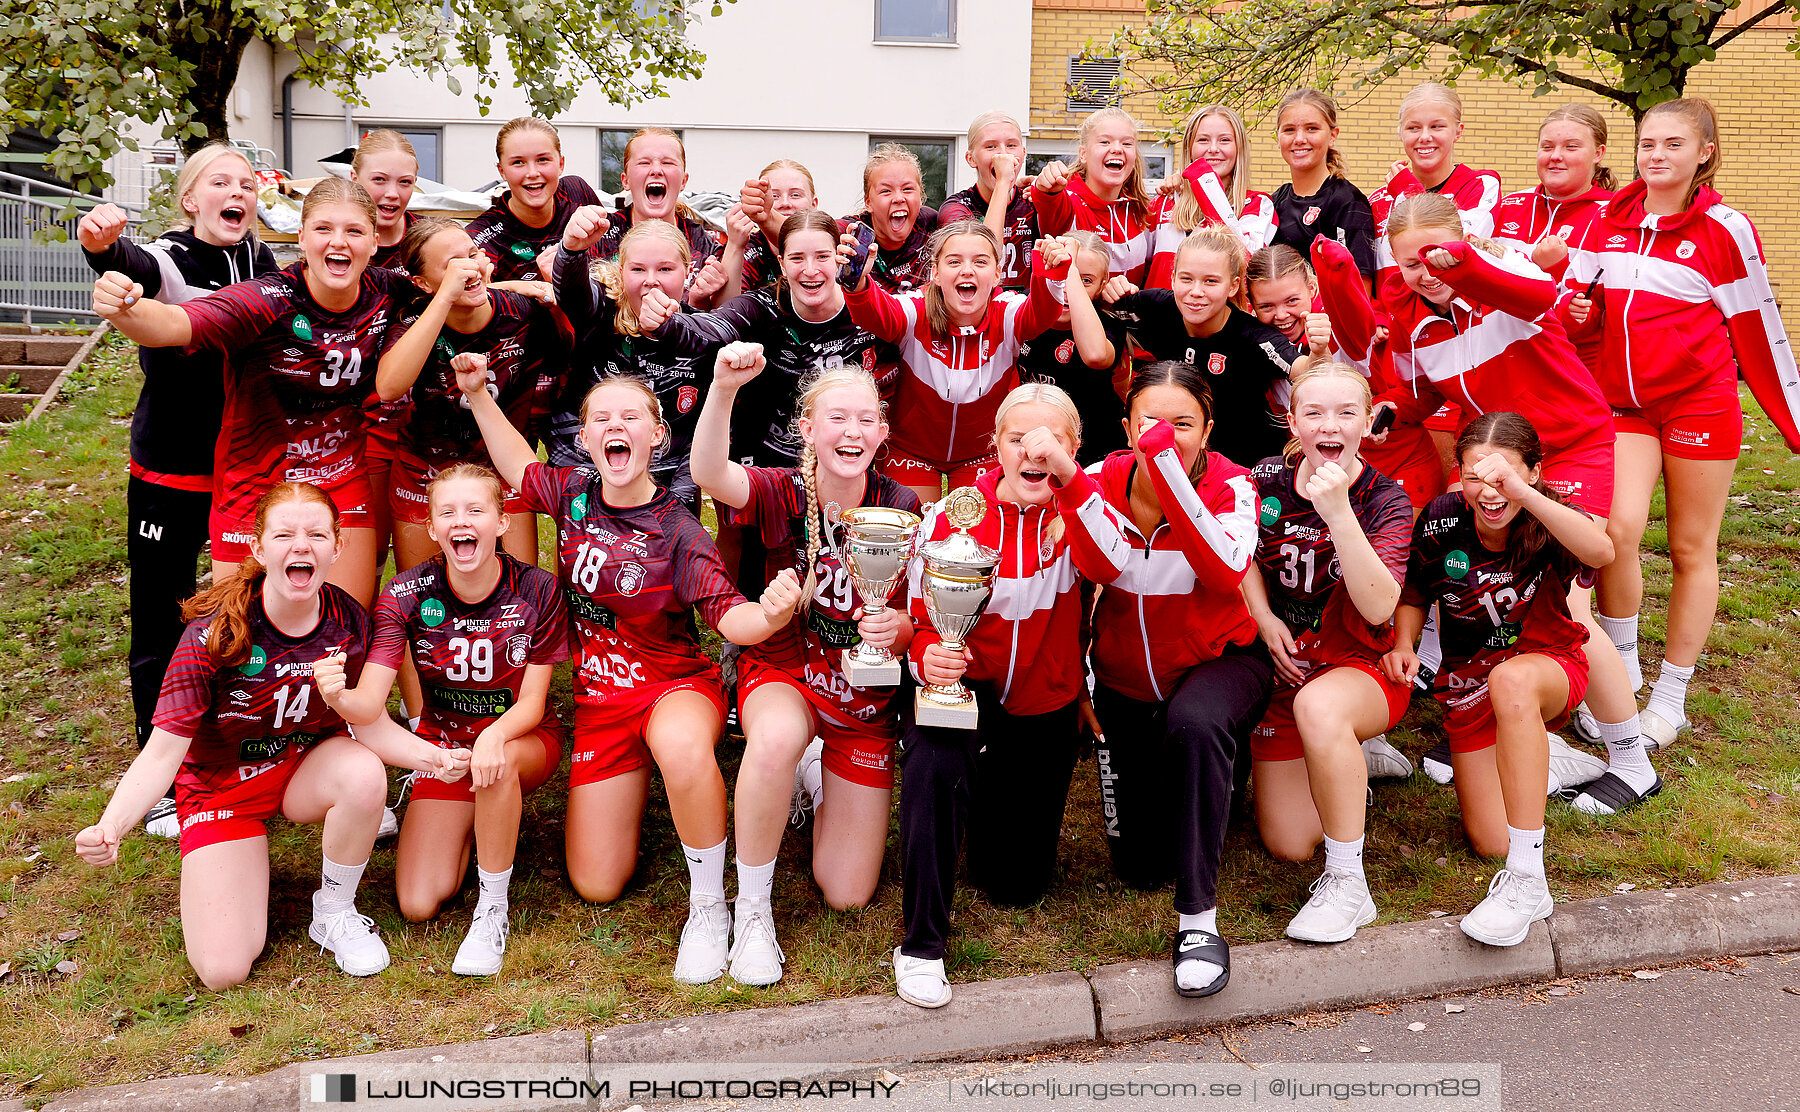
<point x="812" y="781"/>
<point x="413" y="723"/>
<point x="1624" y="635"/>
<point x="706" y="870"/>
<point x="337" y="887"/>
<point x="1431" y="653"/>
<point x="756" y="882"/>
<point x="1625" y="756"/>
<point x="1344" y="857"/>
<point x="1669" y="697"/>
<point x="492" y="888"/>
<point x="1194" y="973"/>
<point x="1525" y="851"/>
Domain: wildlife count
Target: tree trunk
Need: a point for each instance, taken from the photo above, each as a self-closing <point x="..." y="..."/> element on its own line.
<point x="215" y="65"/>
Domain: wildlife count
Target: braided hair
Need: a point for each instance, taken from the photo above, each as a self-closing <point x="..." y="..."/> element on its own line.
<point x="808" y="468"/>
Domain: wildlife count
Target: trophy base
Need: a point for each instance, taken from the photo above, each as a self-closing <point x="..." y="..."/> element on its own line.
<point x="956" y="716"/>
<point x="862" y="674"/>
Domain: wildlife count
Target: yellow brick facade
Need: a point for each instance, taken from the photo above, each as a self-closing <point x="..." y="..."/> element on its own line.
<point x="1754" y="85"/>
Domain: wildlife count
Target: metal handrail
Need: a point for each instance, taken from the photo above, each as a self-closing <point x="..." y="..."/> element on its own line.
<point x="47" y="277"/>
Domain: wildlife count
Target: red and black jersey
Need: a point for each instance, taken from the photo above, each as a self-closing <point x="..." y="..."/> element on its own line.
<point x="1021" y="229"/>
<point x="388" y="258"/>
<point x="1051" y="357"/>
<point x="515" y="245"/>
<point x="1487" y="609"/>
<point x="1246" y="364"/>
<point x="524" y="342"/>
<point x="1338" y="211"/>
<point x="471" y="656"/>
<point x="810" y="645"/>
<point x="634" y="575"/>
<point x="243" y="721"/>
<point x="296" y="378"/>
<point x="904" y="268"/>
<point x="762" y="264"/>
<point x="1299" y="563"/>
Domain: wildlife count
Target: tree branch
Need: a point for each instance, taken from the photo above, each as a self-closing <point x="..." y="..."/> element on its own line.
<point x="1769" y="12"/>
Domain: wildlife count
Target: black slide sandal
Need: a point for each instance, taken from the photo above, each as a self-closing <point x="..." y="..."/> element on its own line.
<point x="1202" y="946"/>
<point x="1616" y="793"/>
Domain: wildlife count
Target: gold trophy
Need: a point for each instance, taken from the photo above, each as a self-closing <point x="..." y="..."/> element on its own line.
<point x="877" y="543"/>
<point x="957" y="581"/>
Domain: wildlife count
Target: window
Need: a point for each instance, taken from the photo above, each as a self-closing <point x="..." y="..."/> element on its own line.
<point x="612" y="160"/>
<point x="1093" y="83"/>
<point x="934" y="163"/>
<point x="915" y="21"/>
<point x="1037" y="160"/>
<point x="428" y="144"/>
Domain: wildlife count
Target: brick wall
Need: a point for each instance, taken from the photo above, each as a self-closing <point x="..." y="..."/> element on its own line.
<point x="1754" y="86"/>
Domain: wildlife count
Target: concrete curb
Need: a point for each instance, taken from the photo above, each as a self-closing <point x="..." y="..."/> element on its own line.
<point x="1115" y="1003"/>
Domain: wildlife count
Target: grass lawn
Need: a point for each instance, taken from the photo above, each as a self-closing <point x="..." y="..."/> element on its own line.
<point x="95" y="989"/>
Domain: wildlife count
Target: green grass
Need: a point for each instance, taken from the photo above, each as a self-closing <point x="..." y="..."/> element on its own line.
<point x="133" y="1009"/>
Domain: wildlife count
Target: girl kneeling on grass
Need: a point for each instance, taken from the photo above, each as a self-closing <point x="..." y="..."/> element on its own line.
<point x="791" y="687"/>
<point x="1004" y="782"/>
<point x="1331" y="553"/>
<point x="483" y="629"/>
<point x="1498" y="557"/>
<point x="635" y="564"/>
<point x="239" y="732"/>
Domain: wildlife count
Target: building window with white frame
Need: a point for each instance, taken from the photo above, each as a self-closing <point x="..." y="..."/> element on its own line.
<point x="924" y="21"/>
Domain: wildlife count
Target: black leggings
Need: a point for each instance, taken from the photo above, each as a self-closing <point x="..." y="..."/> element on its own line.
<point x="1166" y="773"/>
<point x="167" y="528"/>
<point x="1004" y="783"/>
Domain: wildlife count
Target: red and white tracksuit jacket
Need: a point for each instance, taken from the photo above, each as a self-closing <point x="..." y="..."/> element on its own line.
<point x="1028" y="641"/>
<point x="1679" y="297"/>
<point x="1523" y="219"/>
<point x="1129" y="237"/>
<point x="950" y="387"/>
<point x="1497" y="345"/>
<point x="1171" y="599"/>
<point x="1254" y="223"/>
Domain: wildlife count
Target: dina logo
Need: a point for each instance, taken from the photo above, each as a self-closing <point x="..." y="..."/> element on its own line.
<point x="431" y="612"/>
<point x="578" y="507"/>
<point x="1456" y="564"/>
<point x="302" y="326"/>
<point x="523" y="251"/>
<point x="257" y="662"/>
<point x="1271" y="510"/>
<point x="445" y="349"/>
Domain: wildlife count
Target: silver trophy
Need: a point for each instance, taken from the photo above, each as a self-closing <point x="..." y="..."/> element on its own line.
<point x="957" y="582"/>
<point x="877" y="542"/>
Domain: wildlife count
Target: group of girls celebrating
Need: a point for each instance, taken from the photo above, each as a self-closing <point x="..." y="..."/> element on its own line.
<point x="1254" y="467"/>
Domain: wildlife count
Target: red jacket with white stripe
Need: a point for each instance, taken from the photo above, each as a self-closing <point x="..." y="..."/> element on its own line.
<point x="1171" y="599"/>
<point x="1522" y="219"/>
<point x="1028" y="641"/>
<point x="1679" y="297"/>
<point x="1254" y="223"/>
<point x="1075" y="208"/>
<point x="950" y="387"/>
<point x="1476" y="193"/>
<point x="1498" y="345"/>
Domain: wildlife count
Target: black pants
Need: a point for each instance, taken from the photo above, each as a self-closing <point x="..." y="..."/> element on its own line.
<point x="1166" y="773"/>
<point x="1003" y="786"/>
<point x="168" y="528"/>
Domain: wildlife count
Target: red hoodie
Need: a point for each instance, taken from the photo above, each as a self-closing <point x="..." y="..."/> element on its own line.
<point x="1679" y="297"/>
<point x="1171" y="599"/>
<point x="1028" y="641"/>
<point x="1128" y="236"/>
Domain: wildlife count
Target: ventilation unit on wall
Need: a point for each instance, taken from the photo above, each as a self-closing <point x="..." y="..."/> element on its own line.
<point x="1093" y="83"/>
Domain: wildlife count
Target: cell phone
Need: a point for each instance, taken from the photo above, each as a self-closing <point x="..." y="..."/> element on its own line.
<point x="851" y="272"/>
<point x="1384" y="420"/>
<point x="1594" y="285"/>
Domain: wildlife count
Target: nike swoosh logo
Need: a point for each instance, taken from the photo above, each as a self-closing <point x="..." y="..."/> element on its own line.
<point x="1205" y="940"/>
<point x="694" y="860"/>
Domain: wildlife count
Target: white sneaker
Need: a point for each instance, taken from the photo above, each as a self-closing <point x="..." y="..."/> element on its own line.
<point x="1436" y="763"/>
<point x="1340" y="903"/>
<point x="1384" y="761"/>
<point x="809" y="783"/>
<point x="705" y="941"/>
<point x="1585" y="725"/>
<point x="162" y="821"/>
<point x="921" y="981"/>
<point x="484" y="945"/>
<point x="755" y="955"/>
<point x="1570" y="767"/>
<point x="351" y="938"/>
<point x="1656" y="731"/>
<point x="1514" y="902"/>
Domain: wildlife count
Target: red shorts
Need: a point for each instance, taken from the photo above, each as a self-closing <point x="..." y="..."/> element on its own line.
<point x="1469" y="715"/>
<point x="1583" y="474"/>
<point x="409" y="481"/>
<point x="860" y="752"/>
<point x="1411" y="460"/>
<point x="1448" y="418"/>
<point x="231" y="538"/>
<point x="240" y="811"/>
<point x="609" y="736"/>
<point x="1705" y="424"/>
<point x="549" y="733"/>
<point x="1277" y="738"/>
<point x="911" y="471"/>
